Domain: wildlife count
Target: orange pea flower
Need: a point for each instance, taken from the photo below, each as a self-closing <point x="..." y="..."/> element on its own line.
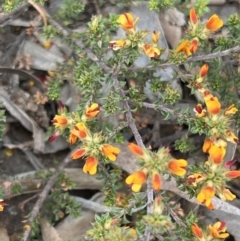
<point x="135" y="149"/>
<point x="188" y="47"/>
<point x="2" y="204"/>
<point x="136" y="180"/>
<point x="200" y="112"/>
<point x="118" y="44"/>
<point x="194" y="45"/>
<point x="72" y="139"/>
<point x="90" y="165"/>
<point x="155" y="37"/>
<point x="60" y="121"/>
<point x="127" y="22"/>
<point x="80" y="130"/>
<point x="230" y="136"/>
<point x="218" y="230"/>
<point x="195" y="178"/>
<point x="214" y="23"/>
<point x="92" y="111"/>
<point x="156" y="182"/>
<point x="205" y="196"/>
<point x="178" y="167"/>
<point x="231" y="110"/>
<point x="233" y="174"/>
<point x="213" y="104"/>
<point x="197" y="232"/>
<point x="78" y="154"/>
<point x="207" y="145"/>
<point x="226" y="194"/>
<point x="203" y="71"/>
<point x="110" y="152"/>
<point x="184" y="47"/>
<point x="217" y="153"/>
<point x="193" y="17"/>
<point x="151" y="51"/>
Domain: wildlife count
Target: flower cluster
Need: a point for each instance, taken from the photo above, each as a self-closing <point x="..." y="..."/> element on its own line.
<point x="134" y="37"/>
<point x="153" y="165"/>
<point x="212" y="177"/>
<point x="158" y="218"/>
<point x="93" y="144"/>
<point x="197" y="32"/>
<point x="215" y="232"/>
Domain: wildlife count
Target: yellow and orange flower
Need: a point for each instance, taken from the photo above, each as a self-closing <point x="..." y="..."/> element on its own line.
<point x="136" y="150"/>
<point x="195" y="178"/>
<point x="197" y="232"/>
<point x="207" y="145"/>
<point x="90" y="165"/>
<point x="231" y="110"/>
<point x="194" y="45"/>
<point x="80" y="130"/>
<point x="218" y="230"/>
<point x="178" y="167"/>
<point x="233" y="174"/>
<point x="188" y="47"/>
<point x="119" y="44"/>
<point x="184" y="47"/>
<point x="92" y="111"/>
<point x="72" y="139"/>
<point x="226" y="194"/>
<point x="205" y="196"/>
<point x="203" y="71"/>
<point x="60" y="121"/>
<point x="230" y="136"/>
<point x="2" y="204"/>
<point x="214" y="23"/>
<point x="193" y="17"/>
<point x="127" y="22"/>
<point x="151" y="51"/>
<point x="156" y="181"/>
<point x="213" y="104"/>
<point x="155" y="37"/>
<point x="78" y="154"/>
<point x="217" y="153"/>
<point x="110" y="152"/>
<point x="200" y="112"/>
<point x="136" y="180"/>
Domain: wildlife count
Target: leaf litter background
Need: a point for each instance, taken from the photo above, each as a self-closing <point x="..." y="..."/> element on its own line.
<point x="24" y="67"/>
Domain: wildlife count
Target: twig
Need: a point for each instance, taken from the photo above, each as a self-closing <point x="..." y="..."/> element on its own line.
<point x="139" y="141"/>
<point x="100" y="208"/>
<point x="175" y="216"/>
<point x="192" y="59"/>
<point x="22" y="204"/>
<point x="98" y="10"/>
<point x="43" y="195"/>
<point x="36" y="6"/>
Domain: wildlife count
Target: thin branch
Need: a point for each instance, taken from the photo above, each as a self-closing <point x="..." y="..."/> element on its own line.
<point x="192" y="59"/>
<point x="175" y="216"/>
<point x="39" y="10"/>
<point x="43" y="195"/>
<point x="139" y="141"/>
